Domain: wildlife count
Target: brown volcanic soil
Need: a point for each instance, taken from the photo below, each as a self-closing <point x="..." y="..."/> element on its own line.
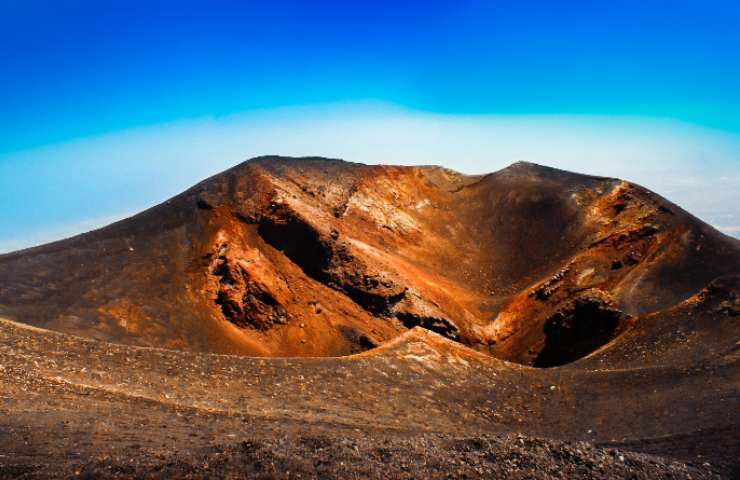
<point x="419" y="407"/>
<point x="633" y="299"/>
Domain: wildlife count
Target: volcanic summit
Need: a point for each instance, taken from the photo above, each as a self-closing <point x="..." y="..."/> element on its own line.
<point x="318" y="257"/>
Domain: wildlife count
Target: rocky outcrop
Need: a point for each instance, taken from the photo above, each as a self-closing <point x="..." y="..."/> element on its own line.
<point x="243" y="301"/>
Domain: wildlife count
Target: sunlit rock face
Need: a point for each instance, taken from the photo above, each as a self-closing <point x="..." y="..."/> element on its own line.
<point x="318" y="257"/>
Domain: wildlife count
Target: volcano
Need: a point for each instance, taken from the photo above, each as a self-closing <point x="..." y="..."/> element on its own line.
<point x="318" y="257"/>
<point x="569" y="301"/>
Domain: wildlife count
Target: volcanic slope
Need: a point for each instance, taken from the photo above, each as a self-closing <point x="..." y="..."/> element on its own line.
<point x="426" y="298"/>
<point x="318" y="257"/>
<point x="420" y="406"/>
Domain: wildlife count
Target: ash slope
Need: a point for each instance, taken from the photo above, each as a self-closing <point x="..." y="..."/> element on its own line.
<point x="318" y="257"/>
<point x="72" y="407"/>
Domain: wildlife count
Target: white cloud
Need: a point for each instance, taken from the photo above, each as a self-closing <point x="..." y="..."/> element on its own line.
<point x="57" y="232"/>
<point x="730" y="230"/>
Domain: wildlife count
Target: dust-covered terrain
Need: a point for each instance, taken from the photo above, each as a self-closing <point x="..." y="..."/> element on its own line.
<point x="302" y="318"/>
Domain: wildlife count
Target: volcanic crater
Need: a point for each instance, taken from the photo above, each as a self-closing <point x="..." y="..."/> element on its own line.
<point x="525" y="267"/>
<point x="284" y="257"/>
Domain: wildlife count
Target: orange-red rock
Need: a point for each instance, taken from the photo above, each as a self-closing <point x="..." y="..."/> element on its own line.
<point x="317" y="257"/>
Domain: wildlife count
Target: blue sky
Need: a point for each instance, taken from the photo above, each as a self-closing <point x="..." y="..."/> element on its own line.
<point x="663" y="77"/>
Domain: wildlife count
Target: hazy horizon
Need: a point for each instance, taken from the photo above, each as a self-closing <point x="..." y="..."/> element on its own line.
<point x="109" y="108"/>
<point x="92" y="182"/>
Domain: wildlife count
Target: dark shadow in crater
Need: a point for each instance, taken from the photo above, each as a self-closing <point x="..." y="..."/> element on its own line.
<point x="578" y="330"/>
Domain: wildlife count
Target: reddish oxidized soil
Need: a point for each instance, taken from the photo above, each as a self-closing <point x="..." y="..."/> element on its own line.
<point x="316" y="257"/>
